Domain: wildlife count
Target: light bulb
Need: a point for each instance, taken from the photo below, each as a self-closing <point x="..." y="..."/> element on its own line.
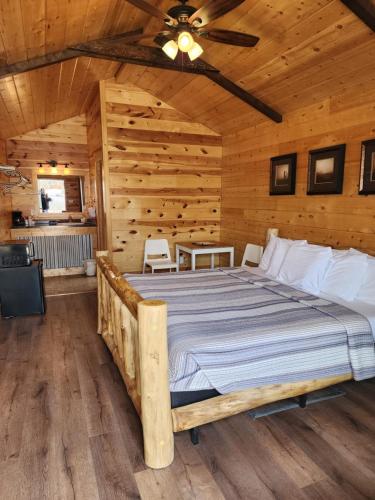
<point x="195" y="51"/>
<point x="185" y="41"/>
<point x="54" y="170"/>
<point x="171" y="49"/>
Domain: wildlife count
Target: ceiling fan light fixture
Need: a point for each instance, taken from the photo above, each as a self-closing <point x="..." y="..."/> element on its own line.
<point x="185" y="41"/>
<point x="171" y="49"/>
<point x="195" y="52"/>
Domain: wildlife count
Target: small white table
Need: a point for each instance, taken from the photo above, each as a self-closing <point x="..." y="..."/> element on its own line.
<point x="194" y="249"/>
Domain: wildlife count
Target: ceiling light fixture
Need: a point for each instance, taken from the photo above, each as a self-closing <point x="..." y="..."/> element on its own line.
<point x="185" y="43"/>
<point x="54" y="164"/>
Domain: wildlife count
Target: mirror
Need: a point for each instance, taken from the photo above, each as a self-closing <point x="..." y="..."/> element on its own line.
<point x="60" y="193"/>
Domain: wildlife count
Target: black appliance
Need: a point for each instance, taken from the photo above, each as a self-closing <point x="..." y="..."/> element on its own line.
<point x="21" y="290"/>
<point x="16" y="253"/>
<point x="18" y="219"/>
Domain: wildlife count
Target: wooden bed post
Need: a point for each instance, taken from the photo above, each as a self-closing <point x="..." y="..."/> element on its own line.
<point x="155" y="395"/>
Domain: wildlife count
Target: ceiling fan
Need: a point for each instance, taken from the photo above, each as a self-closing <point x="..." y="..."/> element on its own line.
<point x="184" y="22"/>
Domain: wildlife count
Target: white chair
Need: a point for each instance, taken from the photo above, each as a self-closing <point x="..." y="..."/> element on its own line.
<point x="158" y="248"/>
<point x="252" y="253"/>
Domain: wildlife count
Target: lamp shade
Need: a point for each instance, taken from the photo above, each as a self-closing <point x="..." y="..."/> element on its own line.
<point x="185" y="41"/>
<point x="171" y="49"/>
<point x="195" y="51"/>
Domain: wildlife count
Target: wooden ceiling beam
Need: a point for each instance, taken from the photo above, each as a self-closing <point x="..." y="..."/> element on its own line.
<point x="154" y="57"/>
<point x="37" y="62"/>
<point x="245" y="96"/>
<point x="364" y="9"/>
<point x="141" y="55"/>
<point x="114" y="49"/>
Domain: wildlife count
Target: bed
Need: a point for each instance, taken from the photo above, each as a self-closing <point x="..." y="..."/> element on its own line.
<point x="236" y="339"/>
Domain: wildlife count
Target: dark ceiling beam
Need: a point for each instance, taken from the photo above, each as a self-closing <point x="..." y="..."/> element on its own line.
<point x="141" y="55"/>
<point x="234" y="89"/>
<point x="56" y="57"/>
<point x="364" y="9"/>
<point x="245" y="96"/>
<point x="114" y="49"/>
<point x="38" y="62"/>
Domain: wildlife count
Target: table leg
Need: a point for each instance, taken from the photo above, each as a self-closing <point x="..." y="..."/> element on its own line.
<point x="212" y="261"/>
<point x="231" y="258"/>
<point x="192" y="261"/>
<point x="178" y="258"/>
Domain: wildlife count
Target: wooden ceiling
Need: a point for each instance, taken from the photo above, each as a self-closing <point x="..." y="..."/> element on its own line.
<point x="309" y="50"/>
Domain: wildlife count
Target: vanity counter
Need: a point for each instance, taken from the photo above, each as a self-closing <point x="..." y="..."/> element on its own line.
<point x="68" y="229"/>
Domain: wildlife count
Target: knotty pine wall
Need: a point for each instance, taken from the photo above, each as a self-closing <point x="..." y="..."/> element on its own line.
<point x="339" y="220"/>
<point x="95" y="150"/>
<point x="65" y="141"/>
<point x="5" y="200"/>
<point x="162" y="174"/>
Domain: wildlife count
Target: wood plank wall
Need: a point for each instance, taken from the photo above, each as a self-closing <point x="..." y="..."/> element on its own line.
<point x="95" y="150"/>
<point x="164" y="174"/>
<point x="339" y="220"/>
<point x="5" y="200"/>
<point x="64" y="141"/>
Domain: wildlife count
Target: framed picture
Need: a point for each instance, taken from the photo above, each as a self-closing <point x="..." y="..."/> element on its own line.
<point x="283" y="174"/>
<point x="367" y="177"/>
<point x="326" y="170"/>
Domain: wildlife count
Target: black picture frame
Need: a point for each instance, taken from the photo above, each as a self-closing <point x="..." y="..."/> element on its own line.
<point x="283" y="174"/>
<point x="326" y="170"/>
<point x="367" y="172"/>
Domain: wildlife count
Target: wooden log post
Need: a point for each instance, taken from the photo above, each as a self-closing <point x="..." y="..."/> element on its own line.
<point x="155" y="396"/>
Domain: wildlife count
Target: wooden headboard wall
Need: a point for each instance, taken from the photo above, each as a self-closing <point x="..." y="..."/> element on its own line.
<point x="342" y="221"/>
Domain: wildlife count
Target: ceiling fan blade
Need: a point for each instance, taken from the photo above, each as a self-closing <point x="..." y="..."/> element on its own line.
<point x="153" y="11"/>
<point x="212" y="10"/>
<point x="230" y="37"/>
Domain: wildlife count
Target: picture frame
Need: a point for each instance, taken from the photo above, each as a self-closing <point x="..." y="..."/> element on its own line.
<point x="326" y="170"/>
<point x="283" y="174"/>
<point x="367" y="172"/>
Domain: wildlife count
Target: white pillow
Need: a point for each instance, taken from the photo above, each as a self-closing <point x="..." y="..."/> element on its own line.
<point x="366" y="291"/>
<point x="345" y="275"/>
<point x="304" y="267"/>
<point x="267" y="254"/>
<point x="281" y="249"/>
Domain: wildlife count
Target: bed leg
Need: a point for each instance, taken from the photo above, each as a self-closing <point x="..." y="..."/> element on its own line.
<point x="194" y="435"/>
<point x="302" y="400"/>
<point x="156" y="410"/>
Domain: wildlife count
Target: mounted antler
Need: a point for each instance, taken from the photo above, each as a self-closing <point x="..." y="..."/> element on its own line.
<point x="12" y="172"/>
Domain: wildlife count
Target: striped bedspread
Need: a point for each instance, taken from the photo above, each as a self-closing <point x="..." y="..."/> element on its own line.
<point x="229" y="329"/>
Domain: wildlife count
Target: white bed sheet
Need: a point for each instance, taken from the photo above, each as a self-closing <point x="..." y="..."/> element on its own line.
<point x="366" y="310"/>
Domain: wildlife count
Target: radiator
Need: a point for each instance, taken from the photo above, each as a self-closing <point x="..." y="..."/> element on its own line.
<point x="62" y="251"/>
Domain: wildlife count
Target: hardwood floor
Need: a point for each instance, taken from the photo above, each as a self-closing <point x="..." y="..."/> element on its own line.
<point x="68" y="430"/>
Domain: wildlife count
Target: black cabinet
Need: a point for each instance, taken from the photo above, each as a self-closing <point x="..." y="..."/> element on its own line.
<point x="21" y="290"/>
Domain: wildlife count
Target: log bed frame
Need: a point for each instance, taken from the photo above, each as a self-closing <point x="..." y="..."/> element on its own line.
<point x="135" y="331"/>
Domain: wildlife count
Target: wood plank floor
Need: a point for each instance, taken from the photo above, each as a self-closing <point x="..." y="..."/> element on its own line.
<point x="68" y="430"/>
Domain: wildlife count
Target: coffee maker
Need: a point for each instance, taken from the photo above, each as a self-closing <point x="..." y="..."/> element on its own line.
<point x="17" y="219"/>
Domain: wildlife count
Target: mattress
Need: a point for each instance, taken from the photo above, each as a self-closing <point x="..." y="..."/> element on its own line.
<point x="231" y="329"/>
